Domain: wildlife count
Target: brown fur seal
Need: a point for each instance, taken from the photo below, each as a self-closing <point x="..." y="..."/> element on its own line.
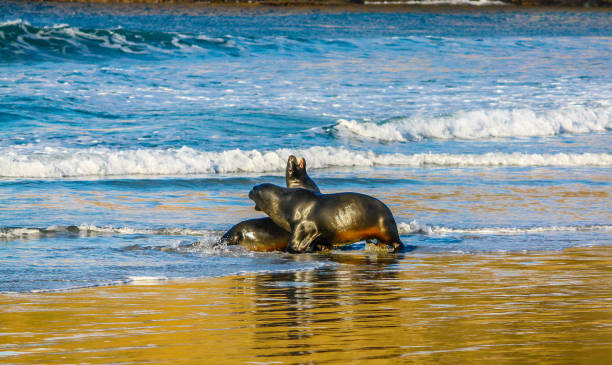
<point x="296" y="176"/>
<point x="326" y="219"/>
<point x="262" y="234"/>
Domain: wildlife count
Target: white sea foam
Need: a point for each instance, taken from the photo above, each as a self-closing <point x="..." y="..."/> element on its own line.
<point x="99" y="162"/>
<point x="415" y="227"/>
<point x="13" y="233"/>
<point x="208" y="238"/>
<point x="482" y="124"/>
<point x="146" y="280"/>
<point x="91" y="230"/>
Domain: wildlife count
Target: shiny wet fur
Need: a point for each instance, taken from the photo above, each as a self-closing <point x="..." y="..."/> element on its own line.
<point x="326" y="219"/>
<point x="296" y="176"/>
<point x="262" y="234"/>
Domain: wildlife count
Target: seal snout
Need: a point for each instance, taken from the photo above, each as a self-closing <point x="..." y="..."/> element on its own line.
<point x="291" y="164"/>
<point x="253" y="194"/>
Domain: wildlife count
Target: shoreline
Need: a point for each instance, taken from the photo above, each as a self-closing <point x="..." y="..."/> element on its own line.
<point x="340" y="258"/>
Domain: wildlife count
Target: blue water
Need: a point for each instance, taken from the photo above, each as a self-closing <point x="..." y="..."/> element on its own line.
<point x="131" y="135"/>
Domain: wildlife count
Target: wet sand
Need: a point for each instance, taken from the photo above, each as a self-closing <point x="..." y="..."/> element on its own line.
<point x="536" y="307"/>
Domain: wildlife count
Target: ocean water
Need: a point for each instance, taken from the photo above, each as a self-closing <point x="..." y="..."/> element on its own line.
<point x="130" y="136"/>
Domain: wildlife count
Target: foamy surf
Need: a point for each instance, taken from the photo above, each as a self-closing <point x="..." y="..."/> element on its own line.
<point x="481" y="124"/>
<point x="146" y="280"/>
<point x="91" y="230"/>
<point x="18" y="162"/>
<point x="207" y="237"/>
<point x="415" y="227"/>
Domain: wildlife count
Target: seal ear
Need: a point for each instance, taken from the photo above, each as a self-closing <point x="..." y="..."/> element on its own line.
<point x="302" y="163"/>
<point x="292" y="161"/>
<point x="302" y="236"/>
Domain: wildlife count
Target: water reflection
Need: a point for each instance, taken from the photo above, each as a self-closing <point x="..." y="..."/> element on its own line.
<point x="295" y="308"/>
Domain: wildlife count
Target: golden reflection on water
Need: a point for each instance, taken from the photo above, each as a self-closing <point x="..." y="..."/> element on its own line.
<point x="545" y="308"/>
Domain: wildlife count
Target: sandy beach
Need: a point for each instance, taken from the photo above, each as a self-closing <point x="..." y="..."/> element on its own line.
<point x="545" y="308"/>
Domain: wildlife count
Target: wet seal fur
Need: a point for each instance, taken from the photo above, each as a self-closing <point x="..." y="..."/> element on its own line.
<point x="318" y="220"/>
<point x="262" y="234"/>
<point x="296" y="176"/>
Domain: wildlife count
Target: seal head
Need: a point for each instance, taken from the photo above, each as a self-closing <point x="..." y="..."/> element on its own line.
<point x="296" y="176"/>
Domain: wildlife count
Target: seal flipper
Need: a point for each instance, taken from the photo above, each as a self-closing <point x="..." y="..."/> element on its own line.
<point x="302" y="236"/>
<point x="397" y="246"/>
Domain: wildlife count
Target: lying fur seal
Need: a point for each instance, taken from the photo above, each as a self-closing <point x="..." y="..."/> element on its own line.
<point x="263" y="234"/>
<point x="326" y="219"/>
<point x="260" y="234"/>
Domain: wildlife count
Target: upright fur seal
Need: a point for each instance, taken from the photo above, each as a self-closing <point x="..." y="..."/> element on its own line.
<point x="296" y="176"/>
<point x="262" y="234"/>
<point x="326" y="219"/>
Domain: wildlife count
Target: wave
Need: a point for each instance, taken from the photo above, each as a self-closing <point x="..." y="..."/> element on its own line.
<point x="19" y="162"/>
<point x="21" y="41"/>
<point x="481" y="124"/>
<point x="415" y="227"/>
<point x="10" y="233"/>
<point x="208" y="236"/>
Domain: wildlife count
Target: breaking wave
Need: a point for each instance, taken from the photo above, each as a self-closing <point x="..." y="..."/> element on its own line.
<point x="90" y="230"/>
<point x="207" y="236"/>
<point x="21" y="41"/>
<point x="481" y="124"/>
<point x="19" y="162"/>
<point x="415" y="227"/>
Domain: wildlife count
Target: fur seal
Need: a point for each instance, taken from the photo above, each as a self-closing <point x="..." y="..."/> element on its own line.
<point x="262" y="234"/>
<point x="326" y="219"/>
<point x="296" y="176"/>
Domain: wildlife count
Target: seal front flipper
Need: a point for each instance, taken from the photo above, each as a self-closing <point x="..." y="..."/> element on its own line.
<point x="302" y="236"/>
<point x="398" y="246"/>
<point x="395" y="247"/>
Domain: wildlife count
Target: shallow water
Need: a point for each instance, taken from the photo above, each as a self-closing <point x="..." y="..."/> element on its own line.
<point x="130" y="136"/>
<point x="538" y="307"/>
